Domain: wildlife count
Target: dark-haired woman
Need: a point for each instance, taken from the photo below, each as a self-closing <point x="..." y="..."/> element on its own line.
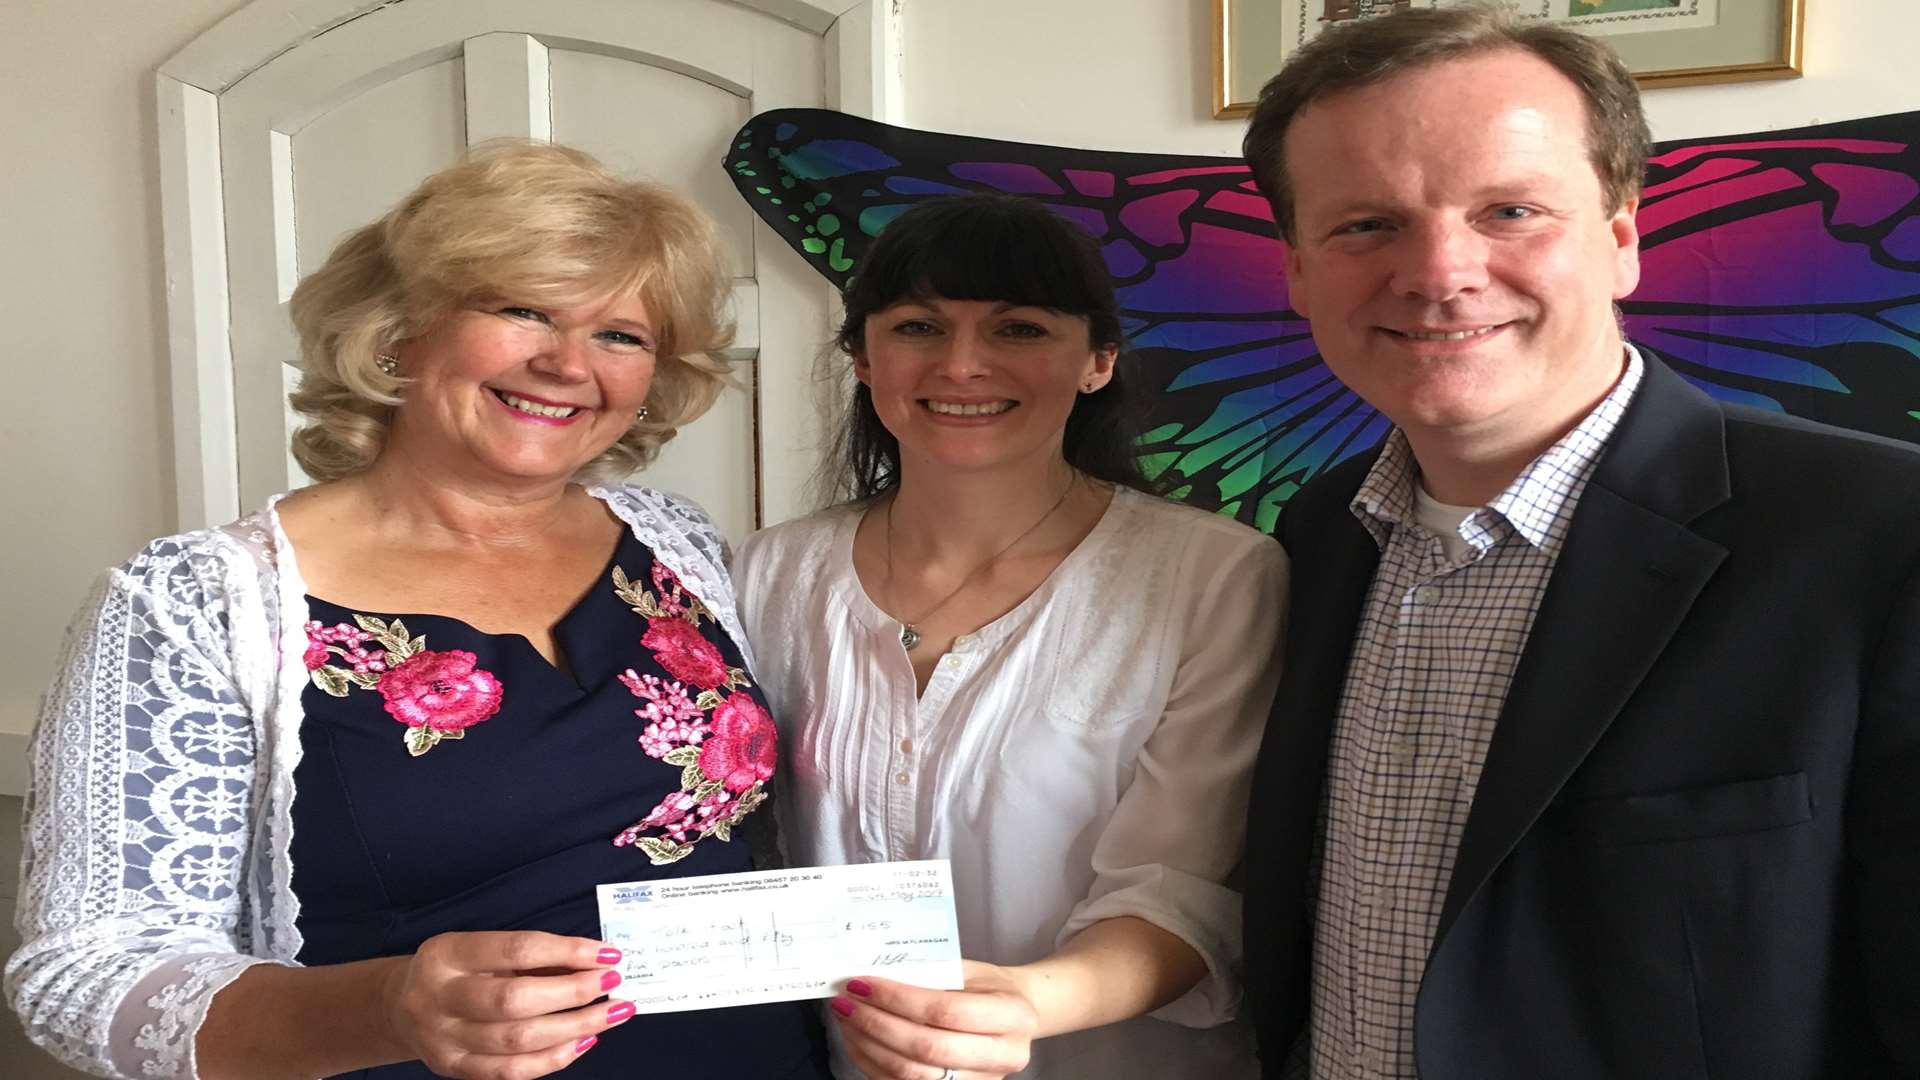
<point x="1003" y="650"/>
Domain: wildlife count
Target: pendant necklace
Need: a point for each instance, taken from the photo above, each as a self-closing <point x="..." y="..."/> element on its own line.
<point x="910" y="628"/>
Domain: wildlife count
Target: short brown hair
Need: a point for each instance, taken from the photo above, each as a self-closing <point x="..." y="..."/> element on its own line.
<point x="1369" y="51"/>
<point x="530" y="221"/>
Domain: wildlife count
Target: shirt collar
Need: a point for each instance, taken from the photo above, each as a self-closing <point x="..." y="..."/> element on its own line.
<point x="1535" y="501"/>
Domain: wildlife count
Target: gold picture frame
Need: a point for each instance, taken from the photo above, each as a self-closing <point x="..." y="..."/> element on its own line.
<point x="1703" y="41"/>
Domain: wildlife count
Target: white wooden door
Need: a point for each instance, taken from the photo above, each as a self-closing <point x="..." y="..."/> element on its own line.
<point x="326" y="133"/>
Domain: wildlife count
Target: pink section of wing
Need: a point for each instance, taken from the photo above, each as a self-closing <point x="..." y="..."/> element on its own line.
<point x="1222" y="270"/>
<point x="1156" y="218"/>
<point x="1088" y="182"/>
<point x="1674" y="208"/>
<point x="1867" y="195"/>
<point x="1232" y="202"/>
<point x="1180" y="174"/>
<point x="1786" y="258"/>
<point x="1705" y="172"/>
<point x="1856" y="146"/>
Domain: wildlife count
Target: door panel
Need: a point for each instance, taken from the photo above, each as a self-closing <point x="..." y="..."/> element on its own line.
<point x="650" y="122"/>
<point x="355" y="161"/>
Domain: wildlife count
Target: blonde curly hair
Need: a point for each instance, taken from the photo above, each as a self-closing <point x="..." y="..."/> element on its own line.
<point x="538" y="222"/>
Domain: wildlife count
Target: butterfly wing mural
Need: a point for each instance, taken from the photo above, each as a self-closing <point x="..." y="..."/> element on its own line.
<point x="1778" y="270"/>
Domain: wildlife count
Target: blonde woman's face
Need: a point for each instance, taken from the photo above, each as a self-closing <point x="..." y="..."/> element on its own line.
<point x="514" y="392"/>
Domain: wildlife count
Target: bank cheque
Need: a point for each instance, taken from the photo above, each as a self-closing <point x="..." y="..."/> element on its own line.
<point x="780" y="935"/>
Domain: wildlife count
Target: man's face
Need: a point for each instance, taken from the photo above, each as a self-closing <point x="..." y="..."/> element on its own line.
<point x="1454" y="254"/>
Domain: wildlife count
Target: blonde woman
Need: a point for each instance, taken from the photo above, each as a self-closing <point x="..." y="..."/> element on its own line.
<point x="327" y="791"/>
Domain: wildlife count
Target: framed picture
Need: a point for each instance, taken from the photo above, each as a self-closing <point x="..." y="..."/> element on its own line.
<point x="1664" y="42"/>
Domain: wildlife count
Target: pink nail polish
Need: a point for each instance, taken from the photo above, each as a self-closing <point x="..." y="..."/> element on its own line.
<point x="585" y="1044"/>
<point x="607" y="956"/>
<point x="619" y="1012"/>
<point x="609" y="980"/>
<point x="842" y="1006"/>
<point x="860" y="986"/>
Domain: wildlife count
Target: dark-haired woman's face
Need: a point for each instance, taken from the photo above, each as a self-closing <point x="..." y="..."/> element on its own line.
<point x="974" y="384"/>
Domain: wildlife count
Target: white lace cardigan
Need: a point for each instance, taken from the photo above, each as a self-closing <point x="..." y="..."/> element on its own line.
<point x="157" y="828"/>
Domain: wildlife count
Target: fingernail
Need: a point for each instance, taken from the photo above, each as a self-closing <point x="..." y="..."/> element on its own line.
<point x="607" y="956"/>
<point x="585" y="1044"/>
<point x="860" y="986"/>
<point x="842" y="1006"/>
<point x="609" y="980"/>
<point x="619" y="1012"/>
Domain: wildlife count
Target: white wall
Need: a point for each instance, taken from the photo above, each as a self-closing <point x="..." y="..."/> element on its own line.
<point x="87" y="475"/>
<point x="1134" y="75"/>
<point x="84" y="436"/>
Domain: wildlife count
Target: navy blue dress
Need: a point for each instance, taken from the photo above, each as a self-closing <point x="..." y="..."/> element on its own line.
<point x="471" y="785"/>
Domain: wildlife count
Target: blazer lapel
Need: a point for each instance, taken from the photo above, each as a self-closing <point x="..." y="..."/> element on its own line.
<point x="1339" y="557"/>
<point x="1625" y="581"/>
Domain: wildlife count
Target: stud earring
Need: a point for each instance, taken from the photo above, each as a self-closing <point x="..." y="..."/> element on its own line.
<point x="642" y="414"/>
<point x="388" y="364"/>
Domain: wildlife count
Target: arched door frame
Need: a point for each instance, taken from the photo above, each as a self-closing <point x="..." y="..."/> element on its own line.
<point x="863" y="77"/>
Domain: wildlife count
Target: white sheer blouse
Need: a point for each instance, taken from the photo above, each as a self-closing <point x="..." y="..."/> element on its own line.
<point x="1083" y="757"/>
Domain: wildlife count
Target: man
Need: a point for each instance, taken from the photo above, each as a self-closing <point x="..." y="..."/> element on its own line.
<point x="1598" y="748"/>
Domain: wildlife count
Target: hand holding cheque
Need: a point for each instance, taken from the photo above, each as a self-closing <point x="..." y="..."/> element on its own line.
<point x="882" y="934"/>
<point x="783" y="935"/>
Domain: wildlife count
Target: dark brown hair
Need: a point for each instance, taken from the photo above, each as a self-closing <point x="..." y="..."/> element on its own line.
<point x="989" y="247"/>
<point x="1369" y="51"/>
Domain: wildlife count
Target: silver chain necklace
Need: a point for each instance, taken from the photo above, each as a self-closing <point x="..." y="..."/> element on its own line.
<point x="910" y="628"/>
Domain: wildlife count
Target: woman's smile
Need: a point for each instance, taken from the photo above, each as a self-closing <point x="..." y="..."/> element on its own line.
<point x="982" y="411"/>
<point x="537" y="410"/>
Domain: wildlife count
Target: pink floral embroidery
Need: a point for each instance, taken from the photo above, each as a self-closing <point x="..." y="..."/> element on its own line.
<point x="442" y="690"/>
<point x="723" y="741"/>
<point x="685" y="652"/>
<point x="347" y="641"/>
<point x="672" y="717"/>
<point x="741" y="751"/>
<point x="686" y="821"/>
<point x="673" y="599"/>
<point x="437" y="695"/>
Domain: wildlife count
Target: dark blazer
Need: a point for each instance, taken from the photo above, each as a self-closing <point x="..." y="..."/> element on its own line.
<point x="1695" y="847"/>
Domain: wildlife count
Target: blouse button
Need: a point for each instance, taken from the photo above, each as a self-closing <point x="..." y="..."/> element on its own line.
<point x="899" y="778"/>
<point x="906" y="746"/>
<point x="950" y="662"/>
<point x="962" y="641"/>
